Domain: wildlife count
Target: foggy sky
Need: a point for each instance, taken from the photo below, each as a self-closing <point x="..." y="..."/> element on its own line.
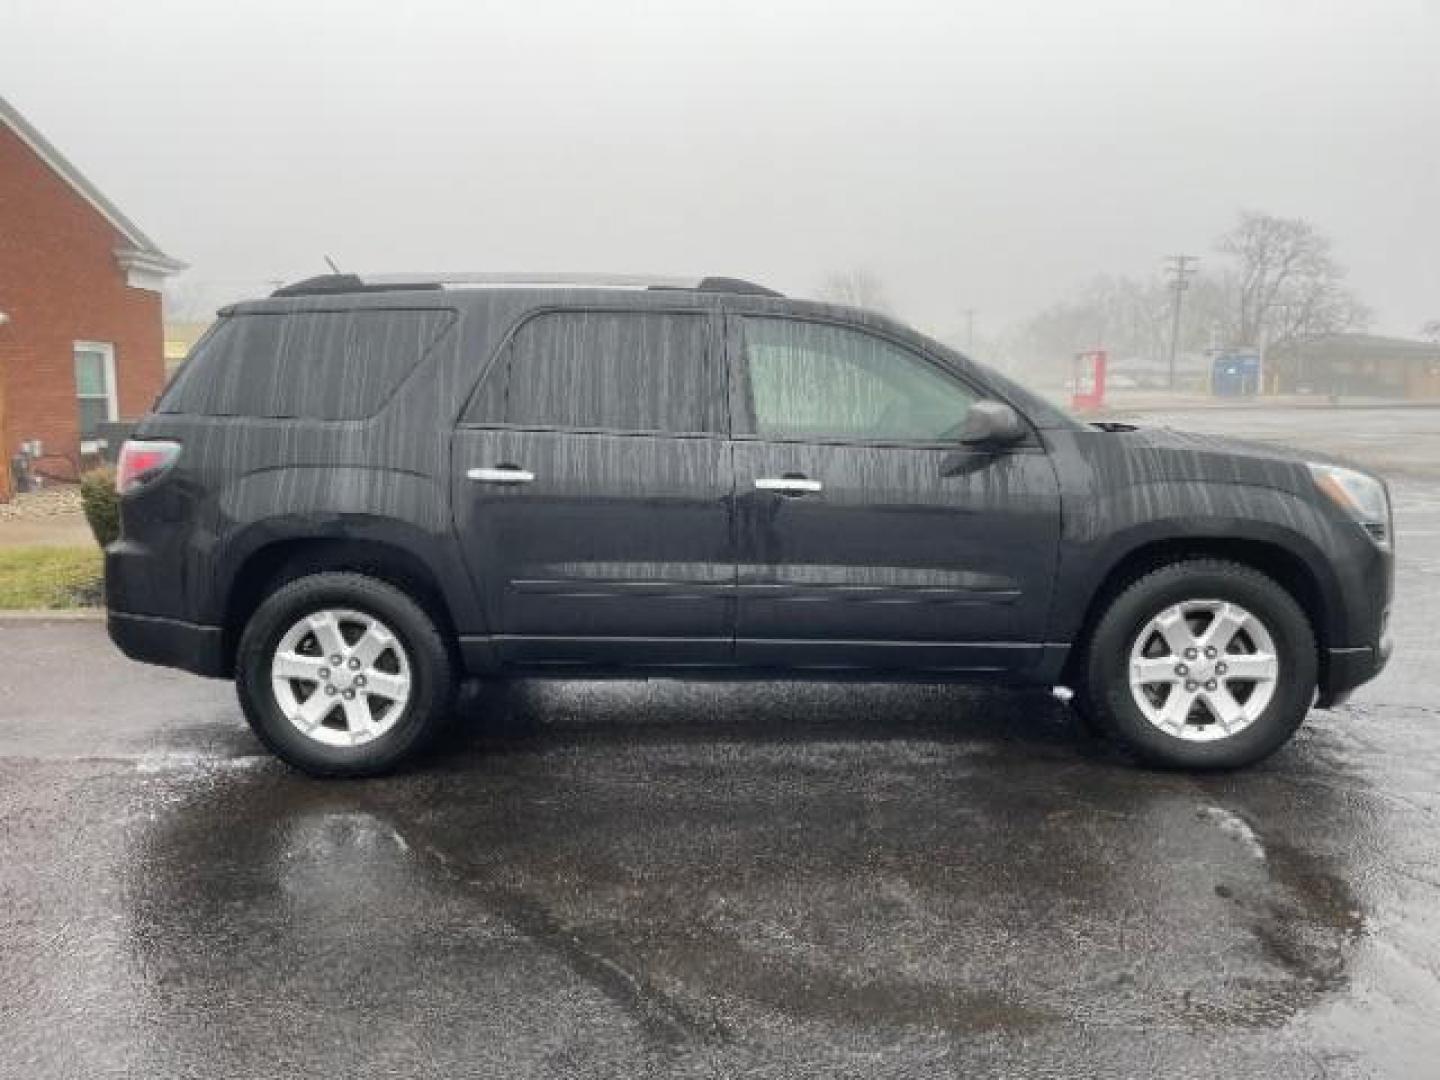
<point x="987" y="156"/>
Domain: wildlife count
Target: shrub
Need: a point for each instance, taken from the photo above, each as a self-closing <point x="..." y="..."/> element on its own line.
<point x="102" y="504"/>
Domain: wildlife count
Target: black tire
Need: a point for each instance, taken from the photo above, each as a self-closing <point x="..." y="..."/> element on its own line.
<point x="430" y="666"/>
<point x="1106" y="695"/>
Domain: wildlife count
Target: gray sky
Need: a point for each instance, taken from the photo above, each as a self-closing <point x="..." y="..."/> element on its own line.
<point x="973" y="155"/>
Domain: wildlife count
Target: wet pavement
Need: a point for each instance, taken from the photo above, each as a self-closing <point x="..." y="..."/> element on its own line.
<point x="1396" y="441"/>
<point x="655" y="879"/>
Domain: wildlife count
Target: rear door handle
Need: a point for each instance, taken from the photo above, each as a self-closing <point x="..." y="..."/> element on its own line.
<point x="505" y="474"/>
<point x="788" y="485"/>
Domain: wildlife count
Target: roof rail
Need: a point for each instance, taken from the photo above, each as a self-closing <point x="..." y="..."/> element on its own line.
<point x="327" y="284"/>
<point x="735" y="285"/>
<point x="330" y="284"/>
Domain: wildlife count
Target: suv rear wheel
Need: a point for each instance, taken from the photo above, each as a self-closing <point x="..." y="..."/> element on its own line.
<point x="1201" y="664"/>
<point x="341" y="674"/>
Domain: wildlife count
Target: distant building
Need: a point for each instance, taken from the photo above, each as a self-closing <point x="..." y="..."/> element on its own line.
<point x="1192" y="372"/>
<point x="80" y="342"/>
<point x="1355" y="365"/>
<point x="180" y="338"/>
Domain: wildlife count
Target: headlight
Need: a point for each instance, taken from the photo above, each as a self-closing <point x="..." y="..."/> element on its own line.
<point x="1360" y="495"/>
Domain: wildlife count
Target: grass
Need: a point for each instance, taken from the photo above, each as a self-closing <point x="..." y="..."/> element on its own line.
<point x="50" y="577"/>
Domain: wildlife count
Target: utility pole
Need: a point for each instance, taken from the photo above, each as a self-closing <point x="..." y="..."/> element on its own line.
<point x="1267" y="338"/>
<point x="969" y="314"/>
<point x="1180" y="268"/>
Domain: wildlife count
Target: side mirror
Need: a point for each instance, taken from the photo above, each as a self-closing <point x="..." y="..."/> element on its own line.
<point x="992" y="423"/>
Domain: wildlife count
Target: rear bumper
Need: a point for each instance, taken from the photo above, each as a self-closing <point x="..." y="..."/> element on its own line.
<point x="144" y="600"/>
<point x="1346" y="669"/>
<point x="170" y="643"/>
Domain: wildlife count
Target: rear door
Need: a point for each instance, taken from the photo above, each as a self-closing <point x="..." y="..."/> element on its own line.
<point x="867" y="536"/>
<point x="593" y="489"/>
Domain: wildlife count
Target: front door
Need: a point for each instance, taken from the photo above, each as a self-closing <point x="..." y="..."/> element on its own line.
<point x="593" y="490"/>
<point x="867" y="537"/>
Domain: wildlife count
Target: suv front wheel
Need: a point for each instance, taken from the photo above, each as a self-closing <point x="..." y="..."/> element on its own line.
<point x="341" y="674"/>
<point x="1201" y="664"/>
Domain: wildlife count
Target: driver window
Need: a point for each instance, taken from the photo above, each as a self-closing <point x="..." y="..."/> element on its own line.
<point x="817" y="380"/>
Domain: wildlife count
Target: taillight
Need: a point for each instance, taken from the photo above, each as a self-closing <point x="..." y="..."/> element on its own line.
<point x="142" y="460"/>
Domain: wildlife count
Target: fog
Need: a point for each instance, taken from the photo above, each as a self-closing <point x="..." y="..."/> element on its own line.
<point x="988" y="157"/>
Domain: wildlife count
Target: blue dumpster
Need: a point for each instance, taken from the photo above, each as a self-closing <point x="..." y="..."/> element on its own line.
<point x="1235" y="374"/>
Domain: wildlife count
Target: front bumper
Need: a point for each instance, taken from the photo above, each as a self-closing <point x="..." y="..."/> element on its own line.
<point x="152" y="639"/>
<point x="1346" y="669"/>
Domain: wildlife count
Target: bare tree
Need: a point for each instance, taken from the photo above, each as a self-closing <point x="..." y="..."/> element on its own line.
<point x="1279" y="283"/>
<point x="1431" y="331"/>
<point x="1284" y="283"/>
<point x="1131" y="318"/>
<point x="857" y="287"/>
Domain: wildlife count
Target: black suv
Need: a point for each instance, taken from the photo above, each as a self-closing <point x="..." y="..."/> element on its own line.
<point x="359" y="491"/>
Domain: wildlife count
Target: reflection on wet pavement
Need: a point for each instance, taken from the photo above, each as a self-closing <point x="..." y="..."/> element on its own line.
<point x="594" y="879"/>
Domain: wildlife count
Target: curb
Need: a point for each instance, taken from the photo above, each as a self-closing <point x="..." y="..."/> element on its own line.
<point x="53" y="615"/>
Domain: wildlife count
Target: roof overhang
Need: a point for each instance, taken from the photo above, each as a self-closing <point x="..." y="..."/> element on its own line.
<point x="145" y="265"/>
<point x="146" y="269"/>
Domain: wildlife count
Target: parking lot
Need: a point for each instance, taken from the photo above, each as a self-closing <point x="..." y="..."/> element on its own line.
<point x="636" y="879"/>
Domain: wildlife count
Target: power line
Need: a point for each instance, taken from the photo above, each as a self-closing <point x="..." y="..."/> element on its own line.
<point x="1181" y="269"/>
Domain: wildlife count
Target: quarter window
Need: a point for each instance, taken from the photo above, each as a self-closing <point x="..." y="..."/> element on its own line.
<point x="605" y="370"/>
<point x="313" y="365"/>
<point x="821" y="381"/>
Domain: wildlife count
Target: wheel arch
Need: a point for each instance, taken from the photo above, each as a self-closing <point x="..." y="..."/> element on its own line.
<point x="272" y="565"/>
<point x="1286" y="566"/>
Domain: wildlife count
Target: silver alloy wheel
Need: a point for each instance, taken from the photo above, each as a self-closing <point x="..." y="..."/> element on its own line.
<point x="341" y="677"/>
<point x="1203" y="670"/>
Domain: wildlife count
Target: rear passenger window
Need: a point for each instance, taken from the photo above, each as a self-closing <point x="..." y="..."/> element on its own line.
<point x="609" y="370"/>
<point x="315" y="365"/>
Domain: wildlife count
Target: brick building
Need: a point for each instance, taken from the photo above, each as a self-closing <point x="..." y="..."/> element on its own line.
<point x="1357" y="365"/>
<point x="80" y="321"/>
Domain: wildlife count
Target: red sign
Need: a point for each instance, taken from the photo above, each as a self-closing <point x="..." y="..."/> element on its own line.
<point x="1088" y="381"/>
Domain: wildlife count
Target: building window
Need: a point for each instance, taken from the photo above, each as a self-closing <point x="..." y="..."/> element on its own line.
<point x="95" y="389"/>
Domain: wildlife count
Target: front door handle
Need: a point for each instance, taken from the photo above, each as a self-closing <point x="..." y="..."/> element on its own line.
<point x="505" y="474"/>
<point x="788" y="485"/>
